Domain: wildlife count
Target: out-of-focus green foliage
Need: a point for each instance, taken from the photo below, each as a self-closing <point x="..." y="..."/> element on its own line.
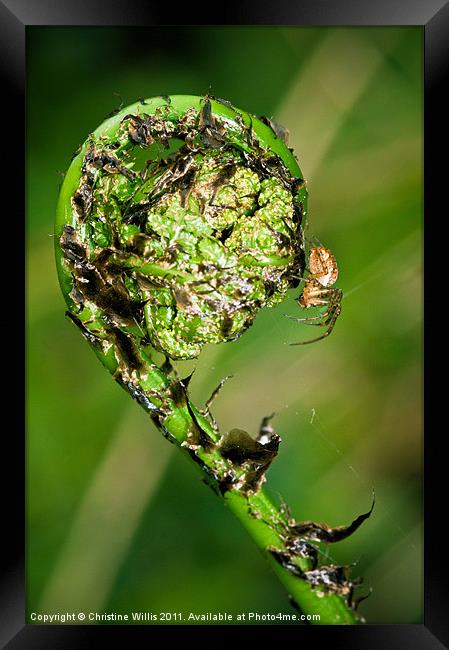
<point x="118" y="522"/>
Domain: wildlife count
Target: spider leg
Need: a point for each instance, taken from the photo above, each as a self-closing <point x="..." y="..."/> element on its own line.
<point x="311" y="276"/>
<point x="324" y="291"/>
<point x="318" y="302"/>
<point x="332" y="315"/>
<point x="301" y="278"/>
<point x="318" y="338"/>
<point x="308" y="318"/>
<point x="313" y="241"/>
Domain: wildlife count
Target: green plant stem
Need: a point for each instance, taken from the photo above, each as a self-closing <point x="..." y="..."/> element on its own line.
<point x="262" y="519"/>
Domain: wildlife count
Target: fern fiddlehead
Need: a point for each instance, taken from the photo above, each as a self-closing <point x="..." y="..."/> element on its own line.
<point x="179" y="218"/>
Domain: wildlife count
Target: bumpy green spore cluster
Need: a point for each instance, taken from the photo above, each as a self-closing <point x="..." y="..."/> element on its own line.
<point x="192" y="221"/>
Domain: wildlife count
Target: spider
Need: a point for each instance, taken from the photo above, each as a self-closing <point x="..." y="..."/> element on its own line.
<point x="318" y="290"/>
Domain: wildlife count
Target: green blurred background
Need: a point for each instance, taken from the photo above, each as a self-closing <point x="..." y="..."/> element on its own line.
<point x="117" y="519"/>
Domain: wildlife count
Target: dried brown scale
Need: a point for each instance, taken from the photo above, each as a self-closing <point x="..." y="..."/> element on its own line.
<point x="82" y="198"/>
<point x="323" y="533"/>
<point x="298" y="547"/>
<point x="355" y="602"/>
<point x="127" y="352"/>
<point x="333" y="578"/>
<point x="220" y="482"/>
<point x="93" y="340"/>
<point x="197" y="436"/>
<point x="329" y="579"/>
<point x="280" y="131"/>
<point x="111" y="298"/>
<point x="140" y="396"/>
<point x="253" y="456"/>
<point x="297" y="538"/>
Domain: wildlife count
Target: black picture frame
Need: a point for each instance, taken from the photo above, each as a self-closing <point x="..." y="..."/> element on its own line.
<point x="15" y="17"/>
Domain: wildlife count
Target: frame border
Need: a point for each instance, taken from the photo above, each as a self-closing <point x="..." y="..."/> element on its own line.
<point x="433" y="15"/>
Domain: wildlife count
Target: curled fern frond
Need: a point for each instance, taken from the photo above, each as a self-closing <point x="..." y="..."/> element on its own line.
<point x="179" y="219"/>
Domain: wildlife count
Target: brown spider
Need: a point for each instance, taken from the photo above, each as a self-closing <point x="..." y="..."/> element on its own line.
<point x="318" y="291"/>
